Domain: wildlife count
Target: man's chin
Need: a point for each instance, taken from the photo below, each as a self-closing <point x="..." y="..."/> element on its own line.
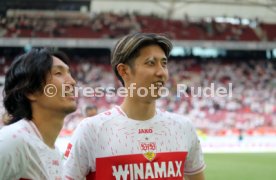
<point x="69" y="110"/>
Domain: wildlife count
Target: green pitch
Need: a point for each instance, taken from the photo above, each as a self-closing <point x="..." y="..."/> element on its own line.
<point x="241" y="166"/>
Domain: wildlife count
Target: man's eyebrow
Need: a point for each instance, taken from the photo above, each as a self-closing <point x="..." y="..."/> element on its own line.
<point x="61" y="67"/>
<point x="164" y="59"/>
<point x="155" y="58"/>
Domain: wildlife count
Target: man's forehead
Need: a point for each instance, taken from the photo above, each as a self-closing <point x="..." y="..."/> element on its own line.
<point x="58" y="63"/>
<point x="152" y="50"/>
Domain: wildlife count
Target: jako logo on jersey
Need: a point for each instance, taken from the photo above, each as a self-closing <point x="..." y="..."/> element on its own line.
<point x="148" y="149"/>
<point x="170" y="169"/>
<point x="67" y="152"/>
<point x="145" y="131"/>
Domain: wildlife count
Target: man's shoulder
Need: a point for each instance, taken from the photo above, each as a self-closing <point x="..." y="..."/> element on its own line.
<point x="14" y="135"/>
<point x="171" y="115"/>
<point x="174" y="117"/>
<point x="17" y="127"/>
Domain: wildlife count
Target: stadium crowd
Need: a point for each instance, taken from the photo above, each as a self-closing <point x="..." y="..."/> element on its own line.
<point x="110" y="25"/>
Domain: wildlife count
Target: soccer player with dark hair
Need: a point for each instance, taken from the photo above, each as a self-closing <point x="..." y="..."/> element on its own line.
<point x="91" y="110"/>
<point x="136" y="140"/>
<point x="33" y="98"/>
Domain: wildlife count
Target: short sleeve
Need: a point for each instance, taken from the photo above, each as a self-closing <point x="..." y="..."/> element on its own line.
<point x="79" y="153"/>
<point x="195" y="161"/>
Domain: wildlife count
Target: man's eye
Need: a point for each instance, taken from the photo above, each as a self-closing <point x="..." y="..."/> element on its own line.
<point x="150" y="62"/>
<point x="58" y="73"/>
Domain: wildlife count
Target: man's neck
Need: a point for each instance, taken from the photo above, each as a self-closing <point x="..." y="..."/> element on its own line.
<point x="49" y="127"/>
<point x="138" y="110"/>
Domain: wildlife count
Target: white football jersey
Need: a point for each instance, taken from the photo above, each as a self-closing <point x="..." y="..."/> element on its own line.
<point x="23" y="154"/>
<point x="113" y="146"/>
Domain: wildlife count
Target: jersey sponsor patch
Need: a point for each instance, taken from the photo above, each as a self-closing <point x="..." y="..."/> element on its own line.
<point x="168" y="165"/>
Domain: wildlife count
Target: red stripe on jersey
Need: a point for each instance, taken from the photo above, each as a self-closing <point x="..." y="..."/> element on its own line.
<point x="67" y="152"/>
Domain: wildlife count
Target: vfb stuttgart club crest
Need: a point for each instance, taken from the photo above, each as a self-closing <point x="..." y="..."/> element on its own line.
<point x="148" y="149"/>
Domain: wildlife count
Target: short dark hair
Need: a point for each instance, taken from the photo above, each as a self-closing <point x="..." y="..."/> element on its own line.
<point x="128" y="48"/>
<point x="26" y="75"/>
<point x="89" y="107"/>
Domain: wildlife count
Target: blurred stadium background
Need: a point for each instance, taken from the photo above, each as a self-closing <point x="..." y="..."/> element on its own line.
<point x="216" y="41"/>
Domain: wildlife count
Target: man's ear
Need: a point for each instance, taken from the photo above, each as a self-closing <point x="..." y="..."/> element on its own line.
<point x="123" y="71"/>
<point x="32" y="96"/>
